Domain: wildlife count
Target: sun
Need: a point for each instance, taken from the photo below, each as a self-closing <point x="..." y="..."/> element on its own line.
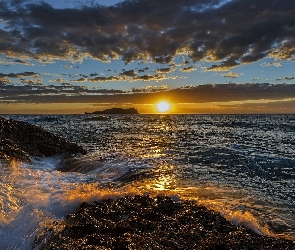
<point x="163" y="106"/>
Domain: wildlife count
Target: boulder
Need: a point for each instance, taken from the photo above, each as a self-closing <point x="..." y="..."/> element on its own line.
<point x="21" y="141"/>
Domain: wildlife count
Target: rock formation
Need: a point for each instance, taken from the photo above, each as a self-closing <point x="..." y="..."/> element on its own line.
<point x="21" y="141"/>
<point x="143" y="223"/>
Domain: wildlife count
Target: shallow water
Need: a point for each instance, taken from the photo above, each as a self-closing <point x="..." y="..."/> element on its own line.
<point x="240" y="165"/>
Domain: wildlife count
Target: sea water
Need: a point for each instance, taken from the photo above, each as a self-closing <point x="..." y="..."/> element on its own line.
<point x="240" y="165"/>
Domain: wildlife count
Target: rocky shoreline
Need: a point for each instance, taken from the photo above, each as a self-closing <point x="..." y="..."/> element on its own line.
<point x="144" y="223"/>
<point x="21" y="141"/>
<point x="139" y="222"/>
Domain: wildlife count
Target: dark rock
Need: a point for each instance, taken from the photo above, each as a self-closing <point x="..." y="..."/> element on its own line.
<point x="21" y="141"/>
<point x="81" y="164"/>
<point x="142" y="222"/>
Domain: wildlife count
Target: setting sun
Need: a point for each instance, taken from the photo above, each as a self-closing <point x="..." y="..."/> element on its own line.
<point x="163" y="106"/>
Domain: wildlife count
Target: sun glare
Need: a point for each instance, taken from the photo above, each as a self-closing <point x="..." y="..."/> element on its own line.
<point x="163" y="106"/>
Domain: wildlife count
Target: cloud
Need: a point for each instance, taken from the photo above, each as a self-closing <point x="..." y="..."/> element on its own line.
<point x="37" y="93"/>
<point x="22" y="62"/>
<point x="188" y="69"/>
<point x="143" y="70"/>
<point x="276" y="64"/>
<point x="164" y="70"/>
<point x="104" y="79"/>
<point x="82" y="79"/>
<point x="19" y="75"/>
<point x="225" y="65"/>
<point x="151" y="89"/>
<point x="61" y="81"/>
<point x="156" y="78"/>
<point x="31" y="82"/>
<point x="231" y="74"/>
<point x="4" y="81"/>
<point x="125" y="75"/>
<point x="128" y="73"/>
<point x="289" y="78"/>
<point x="225" y="33"/>
<point x="198" y="94"/>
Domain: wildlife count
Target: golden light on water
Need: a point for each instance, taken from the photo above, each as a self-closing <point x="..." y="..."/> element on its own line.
<point x="163" y="106"/>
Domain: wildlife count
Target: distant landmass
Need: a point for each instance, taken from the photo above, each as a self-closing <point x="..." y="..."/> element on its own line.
<point x="132" y="111"/>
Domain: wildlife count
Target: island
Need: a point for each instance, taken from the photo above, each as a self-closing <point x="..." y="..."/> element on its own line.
<point x="116" y="111"/>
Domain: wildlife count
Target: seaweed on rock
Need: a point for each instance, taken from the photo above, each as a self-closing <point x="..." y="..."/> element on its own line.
<point x="143" y="222"/>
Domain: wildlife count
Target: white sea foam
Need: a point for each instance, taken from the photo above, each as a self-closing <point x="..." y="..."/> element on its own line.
<point x="240" y="165"/>
<point x="33" y="195"/>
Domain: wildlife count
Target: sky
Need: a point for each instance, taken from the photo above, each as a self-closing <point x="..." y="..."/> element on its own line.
<point x="201" y="56"/>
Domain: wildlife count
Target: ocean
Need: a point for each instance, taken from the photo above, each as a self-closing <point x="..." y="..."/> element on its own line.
<point x="242" y="166"/>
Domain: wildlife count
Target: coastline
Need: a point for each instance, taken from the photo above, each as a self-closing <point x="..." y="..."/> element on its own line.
<point x="22" y="141"/>
<point x="140" y="211"/>
<point x="143" y="222"/>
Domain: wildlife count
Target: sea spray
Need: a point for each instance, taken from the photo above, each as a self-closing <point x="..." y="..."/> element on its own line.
<point x="234" y="163"/>
<point x="33" y="196"/>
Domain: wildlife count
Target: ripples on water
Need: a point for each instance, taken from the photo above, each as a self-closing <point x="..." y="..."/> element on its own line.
<point x="241" y="165"/>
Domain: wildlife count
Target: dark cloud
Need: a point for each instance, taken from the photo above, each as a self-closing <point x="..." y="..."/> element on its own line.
<point x="143" y="70"/>
<point x="225" y="65"/>
<point x="289" y="78"/>
<point x="233" y="33"/>
<point x="156" y="78"/>
<point x="164" y="70"/>
<point x="151" y="89"/>
<point x="22" y="62"/>
<point x="188" y="69"/>
<point x="104" y="79"/>
<point x="274" y="107"/>
<point x="33" y="92"/>
<point x="19" y="75"/>
<point x="198" y="94"/>
<point x="128" y="73"/>
<point x="82" y="79"/>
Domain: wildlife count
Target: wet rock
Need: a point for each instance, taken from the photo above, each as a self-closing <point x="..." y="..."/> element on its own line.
<point x="21" y="141"/>
<point x="143" y="222"/>
<point x="81" y="164"/>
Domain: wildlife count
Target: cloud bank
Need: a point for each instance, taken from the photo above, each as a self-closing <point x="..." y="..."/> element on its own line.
<point x="226" y="33"/>
<point x="148" y="95"/>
